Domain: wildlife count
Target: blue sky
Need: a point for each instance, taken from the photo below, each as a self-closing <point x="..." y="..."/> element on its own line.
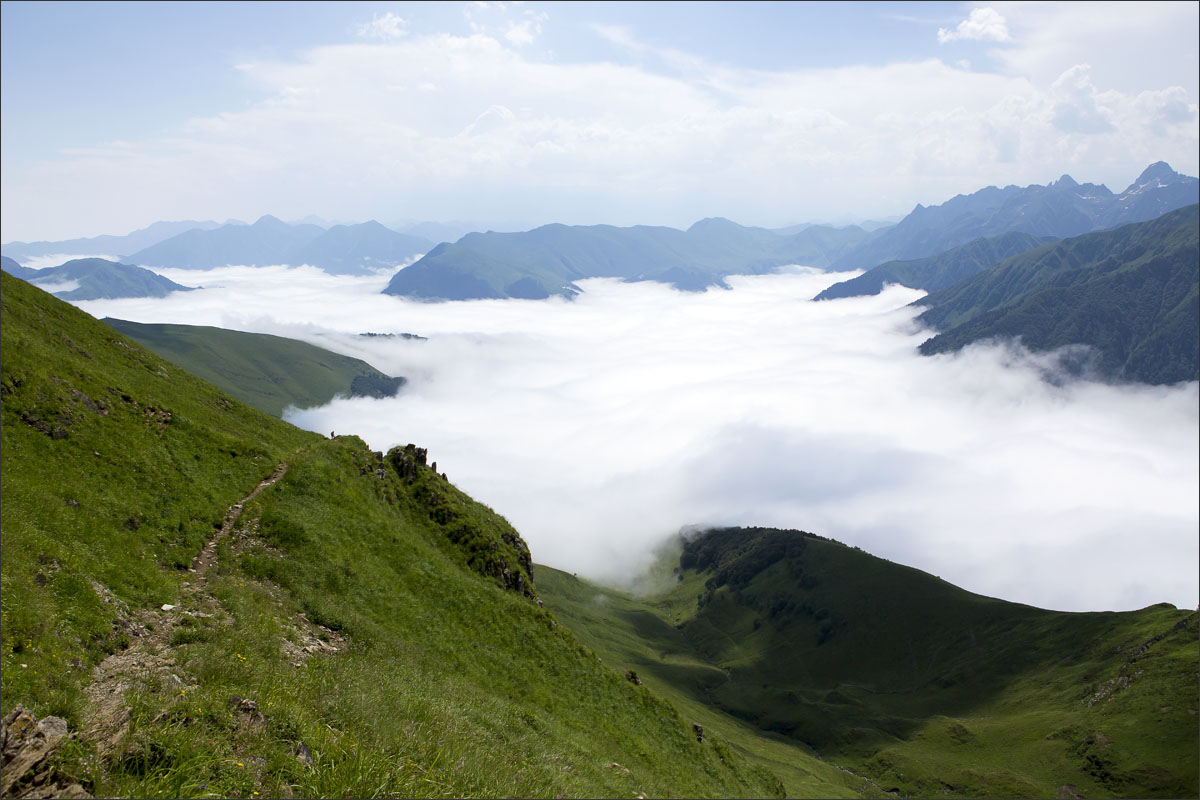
<point x="116" y="115"/>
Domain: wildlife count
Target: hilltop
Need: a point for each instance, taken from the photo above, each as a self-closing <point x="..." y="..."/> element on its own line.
<point x="917" y="685"/>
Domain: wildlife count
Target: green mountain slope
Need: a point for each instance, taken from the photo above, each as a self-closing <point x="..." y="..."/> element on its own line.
<point x="937" y="272"/>
<point x="919" y="686"/>
<point x="267" y="372"/>
<point x="220" y="604"/>
<point x="99" y="279"/>
<point x="546" y="261"/>
<point x="1133" y="293"/>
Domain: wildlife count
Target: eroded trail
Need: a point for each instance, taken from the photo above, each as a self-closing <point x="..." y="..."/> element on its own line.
<point x="148" y="656"/>
<point x="208" y="555"/>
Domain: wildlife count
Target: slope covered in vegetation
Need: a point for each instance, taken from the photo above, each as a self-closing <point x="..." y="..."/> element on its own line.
<point x="937" y="272"/>
<point x="218" y="603"/>
<point x="1133" y="294"/>
<point x="267" y="372"/>
<point x="918" y="686"/>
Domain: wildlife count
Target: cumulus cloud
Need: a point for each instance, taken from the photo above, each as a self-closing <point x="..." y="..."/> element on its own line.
<point x="358" y="130"/>
<point x="389" y="26"/>
<point x="602" y="425"/>
<point x="983" y="24"/>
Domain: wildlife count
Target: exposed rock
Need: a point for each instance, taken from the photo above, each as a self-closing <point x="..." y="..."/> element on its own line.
<point x="699" y="729"/>
<point x="407" y="459"/>
<point x="632" y="677"/>
<point x="247" y="712"/>
<point x="303" y="754"/>
<point x="25" y="748"/>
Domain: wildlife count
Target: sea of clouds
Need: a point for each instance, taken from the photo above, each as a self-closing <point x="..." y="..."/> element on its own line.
<point x="600" y="426"/>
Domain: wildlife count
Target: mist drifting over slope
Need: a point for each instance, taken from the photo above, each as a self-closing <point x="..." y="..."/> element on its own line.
<point x="600" y="426"/>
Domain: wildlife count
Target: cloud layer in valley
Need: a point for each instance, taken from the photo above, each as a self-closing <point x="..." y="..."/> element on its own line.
<point x="600" y="426"/>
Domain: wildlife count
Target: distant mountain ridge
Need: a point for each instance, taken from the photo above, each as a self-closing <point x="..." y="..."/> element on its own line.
<point x="1132" y="293"/>
<point x="95" y="279"/>
<point x="107" y="245"/>
<point x="548" y="260"/>
<point x="1060" y="209"/>
<point x="343" y="249"/>
<point x="268" y="241"/>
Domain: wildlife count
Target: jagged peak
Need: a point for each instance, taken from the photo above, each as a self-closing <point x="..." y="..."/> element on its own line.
<point x="1157" y="171"/>
<point x="1065" y="182"/>
<point x="1157" y="174"/>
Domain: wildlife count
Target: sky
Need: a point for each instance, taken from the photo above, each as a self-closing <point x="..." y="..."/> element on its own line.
<point x="512" y="115"/>
<point x="600" y="426"/>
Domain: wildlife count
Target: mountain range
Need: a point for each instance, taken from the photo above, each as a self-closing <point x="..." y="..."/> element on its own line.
<point x="342" y="249"/>
<point x="1132" y="294"/>
<point x="105" y="245"/>
<point x="200" y="599"/>
<point x="1060" y="209"/>
<point x="548" y="260"/>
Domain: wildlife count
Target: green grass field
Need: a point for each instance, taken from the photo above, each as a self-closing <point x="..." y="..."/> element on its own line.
<point x="267" y="372"/>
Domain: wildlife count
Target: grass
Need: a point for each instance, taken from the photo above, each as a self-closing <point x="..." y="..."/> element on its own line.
<point x="905" y="680"/>
<point x="267" y="372"/>
<point x="370" y="610"/>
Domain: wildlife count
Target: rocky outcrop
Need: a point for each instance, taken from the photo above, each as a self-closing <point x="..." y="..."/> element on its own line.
<point x="26" y="747"/>
<point x="487" y="543"/>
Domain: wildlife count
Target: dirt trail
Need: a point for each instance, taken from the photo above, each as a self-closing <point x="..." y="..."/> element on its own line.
<point x="148" y="655"/>
<point x="208" y="555"/>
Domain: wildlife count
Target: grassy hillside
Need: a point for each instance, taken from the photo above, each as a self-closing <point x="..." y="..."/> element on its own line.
<point x="97" y="279"/>
<point x="1132" y="293"/>
<point x="906" y="680"/>
<point x="220" y="604"/>
<point x="937" y="272"/>
<point x="264" y="371"/>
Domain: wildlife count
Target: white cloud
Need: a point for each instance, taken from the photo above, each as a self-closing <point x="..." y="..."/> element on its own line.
<point x="365" y="130"/>
<point x="388" y="27"/>
<point x="602" y="425"/>
<point x="983" y="24"/>
<point x="1131" y="46"/>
